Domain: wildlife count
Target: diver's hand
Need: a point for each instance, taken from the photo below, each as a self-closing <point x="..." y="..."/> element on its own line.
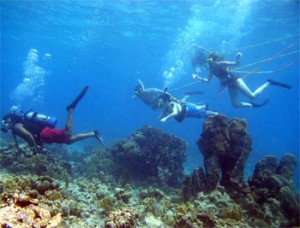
<point x="239" y="55"/>
<point x="196" y="76"/>
<point x="163" y="119"/>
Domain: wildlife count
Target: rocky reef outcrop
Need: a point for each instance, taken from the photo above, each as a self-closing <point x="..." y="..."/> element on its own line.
<point x="151" y="154"/>
<point x="269" y="197"/>
<point x="272" y="185"/>
<point x="225" y="145"/>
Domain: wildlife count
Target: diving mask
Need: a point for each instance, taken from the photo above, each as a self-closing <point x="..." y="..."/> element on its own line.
<point x="5" y="125"/>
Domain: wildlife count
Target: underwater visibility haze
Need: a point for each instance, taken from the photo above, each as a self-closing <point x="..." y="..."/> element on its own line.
<point x="50" y="50"/>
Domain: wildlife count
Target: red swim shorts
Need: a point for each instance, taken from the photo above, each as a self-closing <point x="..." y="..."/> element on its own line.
<point x="51" y="135"/>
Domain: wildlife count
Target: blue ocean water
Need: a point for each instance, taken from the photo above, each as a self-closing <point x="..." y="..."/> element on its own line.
<point x="109" y="45"/>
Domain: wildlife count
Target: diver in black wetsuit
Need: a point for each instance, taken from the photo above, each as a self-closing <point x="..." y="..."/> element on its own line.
<point x="220" y="68"/>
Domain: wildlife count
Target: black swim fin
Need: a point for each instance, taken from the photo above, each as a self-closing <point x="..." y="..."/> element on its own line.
<point x="254" y="105"/>
<point x="100" y="139"/>
<point x="272" y="82"/>
<point x="78" y="98"/>
<point x="98" y="136"/>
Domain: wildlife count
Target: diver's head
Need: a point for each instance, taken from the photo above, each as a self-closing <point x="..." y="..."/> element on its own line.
<point x="164" y="98"/>
<point x="138" y="90"/>
<point x="6" y="123"/>
<point x="9" y="120"/>
<point x="213" y="56"/>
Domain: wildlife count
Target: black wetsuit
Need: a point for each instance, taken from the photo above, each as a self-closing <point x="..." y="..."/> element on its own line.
<point x="226" y="78"/>
<point x="33" y="128"/>
<point x="180" y="117"/>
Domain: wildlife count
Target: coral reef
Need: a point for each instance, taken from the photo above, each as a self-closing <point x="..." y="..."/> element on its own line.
<point x="136" y="184"/>
<point x="272" y="186"/>
<point x="123" y="218"/>
<point x="95" y="161"/>
<point x="213" y="209"/>
<point x="193" y="184"/>
<point x="20" y="204"/>
<point x="225" y="145"/>
<point x="270" y="195"/>
<point x="29" y="216"/>
<point x="22" y="161"/>
<point x="150" y="154"/>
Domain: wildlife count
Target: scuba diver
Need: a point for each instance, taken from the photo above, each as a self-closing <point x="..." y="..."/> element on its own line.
<point x="220" y="68"/>
<point x="149" y="96"/>
<point x="171" y="106"/>
<point x="37" y="129"/>
<point x="179" y="109"/>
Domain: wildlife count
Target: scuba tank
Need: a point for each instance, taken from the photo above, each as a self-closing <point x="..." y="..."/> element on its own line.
<point x="40" y="119"/>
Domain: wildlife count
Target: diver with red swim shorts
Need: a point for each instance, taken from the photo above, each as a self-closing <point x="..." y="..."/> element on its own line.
<point x="37" y="129"/>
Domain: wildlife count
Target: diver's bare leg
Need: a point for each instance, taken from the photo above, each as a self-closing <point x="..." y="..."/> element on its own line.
<point x="69" y="124"/>
<point x="78" y="137"/>
<point x="233" y="92"/>
<point x="243" y="88"/>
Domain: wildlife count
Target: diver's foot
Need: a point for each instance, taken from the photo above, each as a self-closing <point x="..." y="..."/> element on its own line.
<point x="98" y="136"/>
<point x="254" y="105"/>
<point x="72" y="106"/>
<point x="272" y="82"/>
<point x="186" y="96"/>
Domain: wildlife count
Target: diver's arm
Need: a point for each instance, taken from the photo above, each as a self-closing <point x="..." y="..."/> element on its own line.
<point x="236" y="63"/>
<point x="19" y="130"/>
<point x="175" y="111"/>
<point x="207" y="79"/>
<point x="168" y="117"/>
<point x="163" y="114"/>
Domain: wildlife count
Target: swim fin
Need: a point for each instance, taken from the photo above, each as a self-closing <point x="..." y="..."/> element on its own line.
<point x="99" y="138"/>
<point x="272" y="82"/>
<point x="78" y="98"/>
<point x="254" y="105"/>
